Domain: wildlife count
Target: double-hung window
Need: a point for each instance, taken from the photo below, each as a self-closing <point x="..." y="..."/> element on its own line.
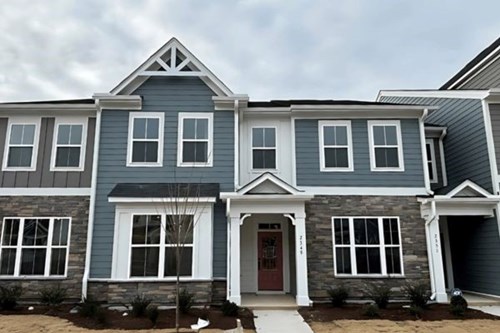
<point x="367" y="246"/>
<point x="69" y="146"/>
<point x="34" y="247"/>
<point x="264" y="148"/>
<point x="145" y="139"/>
<point x="21" y="146"/>
<point x="431" y="160"/>
<point x="335" y="146"/>
<point x="154" y="245"/>
<point x="195" y="140"/>
<point x="386" y="148"/>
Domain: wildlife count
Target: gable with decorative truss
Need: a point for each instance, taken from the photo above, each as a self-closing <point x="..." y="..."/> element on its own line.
<point x="172" y="60"/>
<point x="468" y="189"/>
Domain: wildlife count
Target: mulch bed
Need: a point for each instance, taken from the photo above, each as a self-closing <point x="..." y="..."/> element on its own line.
<point x="166" y="319"/>
<point x="395" y="312"/>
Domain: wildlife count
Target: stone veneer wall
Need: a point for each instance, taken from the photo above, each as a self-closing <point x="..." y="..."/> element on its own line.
<point x="320" y="211"/>
<point x="160" y="292"/>
<point x="76" y="207"/>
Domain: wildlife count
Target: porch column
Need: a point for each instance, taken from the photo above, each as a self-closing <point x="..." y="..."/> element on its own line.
<point x="301" y="261"/>
<point x="234" y="267"/>
<point x="436" y="260"/>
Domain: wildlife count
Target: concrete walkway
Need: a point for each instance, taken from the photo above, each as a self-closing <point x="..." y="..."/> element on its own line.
<point x="490" y="309"/>
<point x="279" y="321"/>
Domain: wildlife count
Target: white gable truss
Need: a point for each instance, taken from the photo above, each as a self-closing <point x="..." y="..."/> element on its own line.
<point x="468" y="189"/>
<point x="268" y="183"/>
<point x="172" y="59"/>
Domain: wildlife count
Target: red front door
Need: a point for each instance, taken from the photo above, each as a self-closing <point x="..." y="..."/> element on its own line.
<point x="270" y="262"/>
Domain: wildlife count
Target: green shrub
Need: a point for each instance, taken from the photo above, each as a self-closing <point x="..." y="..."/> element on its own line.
<point x="53" y="296"/>
<point x="139" y="305"/>
<point x="185" y="301"/>
<point x="152" y="313"/>
<point x="371" y="310"/>
<point x="380" y="295"/>
<point x="9" y="297"/>
<point x="229" y="309"/>
<point x="338" y="295"/>
<point x="416" y="311"/>
<point x="458" y="306"/>
<point x="418" y="294"/>
<point x="89" y="308"/>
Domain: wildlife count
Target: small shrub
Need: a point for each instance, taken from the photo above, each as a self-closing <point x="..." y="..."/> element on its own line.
<point x="416" y="311"/>
<point x="418" y="294"/>
<point x="89" y="308"/>
<point x="458" y="306"/>
<point x="185" y="301"/>
<point x="229" y="309"/>
<point x="380" y="295"/>
<point x="9" y="297"/>
<point x="338" y="295"/>
<point x="371" y="310"/>
<point x="139" y="305"/>
<point x="52" y="296"/>
<point x="152" y="313"/>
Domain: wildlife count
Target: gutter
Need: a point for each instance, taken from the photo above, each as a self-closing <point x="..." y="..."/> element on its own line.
<point x="93" y="189"/>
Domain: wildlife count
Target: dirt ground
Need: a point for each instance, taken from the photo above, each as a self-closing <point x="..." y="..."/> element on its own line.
<point x="48" y="324"/>
<point x="387" y="326"/>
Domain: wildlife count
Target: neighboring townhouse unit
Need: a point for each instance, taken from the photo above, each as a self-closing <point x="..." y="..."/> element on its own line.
<point x="45" y="179"/>
<point x="463" y="213"/>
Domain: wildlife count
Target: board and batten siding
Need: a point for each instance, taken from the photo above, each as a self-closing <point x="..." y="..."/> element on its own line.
<point x="495" y="125"/>
<point x="486" y="79"/>
<point x="465" y="145"/>
<point x="171" y="96"/>
<point x="42" y="176"/>
<point x="308" y="162"/>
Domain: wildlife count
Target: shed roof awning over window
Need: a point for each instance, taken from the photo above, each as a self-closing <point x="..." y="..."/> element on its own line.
<point x="194" y="191"/>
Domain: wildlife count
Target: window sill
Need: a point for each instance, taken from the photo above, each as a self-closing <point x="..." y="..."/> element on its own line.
<point x="18" y="169"/>
<point x="32" y="278"/>
<point x="194" y="165"/>
<point x="369" y="276"/>
<point x="60" y="169"/>
<point x="144" y="165"/>
<point x="336" y="170"/>
<point x="255" y="171"/>
<point x="387" y="169"/>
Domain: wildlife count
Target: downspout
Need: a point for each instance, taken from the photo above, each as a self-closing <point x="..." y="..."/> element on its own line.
<point x="424" y="152"/>
<point x="428" y="221"/>
<point x="93" y="188"/>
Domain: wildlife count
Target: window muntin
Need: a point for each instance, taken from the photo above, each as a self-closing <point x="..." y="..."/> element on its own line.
<point x="367" y="246"/>
<point x="264" y="148"/>
<point x="431" y="160"/>
<point x="145" y="139"/>
<point x="34" y="246"/>
<point x="21" y="147"/>
<point x="335" y="146"/>
<point x="69" y="146"/>
<point x="195" y="139"/>
<point x="154" y="244"/>
<point x="386" y="151"/>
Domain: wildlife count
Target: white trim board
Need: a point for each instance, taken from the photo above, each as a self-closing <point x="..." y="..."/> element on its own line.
<point x="209" y="116"/>
<point x="22" y="120"/>
<point x="71" y="121"/>
<point x="383" y="191"/>
<point x="160" y="140"/>
<point x="349" y="146"/>
<point x="372" y="146"/>
<point x="45" y="191"/>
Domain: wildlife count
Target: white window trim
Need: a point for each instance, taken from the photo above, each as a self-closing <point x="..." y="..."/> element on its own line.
<point x="162" y="245"/>
<point x="83" y="144"/>
<point x="382" y="246"/>
<point x="373" y="166"/>
<point x="19" y="246"/>
<point x="432" y="160"/>
<point x="180" y="138"/>
<point x="253" y="170"/>
<point x="161" y="124"/>
<point x="327" y="123"/>
<point x="34" y="154"/>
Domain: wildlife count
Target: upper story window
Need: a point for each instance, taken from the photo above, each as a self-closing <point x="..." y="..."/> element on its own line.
<point x="68" y="151"/>
<point x="431" y="160"/>
<point x="335" y="146"/>
<point x="195" y="140"/>
<point x="264" y="148"/>
<point x="21" y="146"/>
<point x="386" y="148"/>
<point x="145" y="139"/>
<point x="34" y="246"/>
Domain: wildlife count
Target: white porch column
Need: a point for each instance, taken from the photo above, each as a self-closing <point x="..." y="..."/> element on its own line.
<point x="436" y="260"/>
<point x="234" y="280"/>
<point x="301" y="261"/>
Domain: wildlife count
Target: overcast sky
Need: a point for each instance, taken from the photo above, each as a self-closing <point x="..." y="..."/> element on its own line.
<point x="58" y="49"/>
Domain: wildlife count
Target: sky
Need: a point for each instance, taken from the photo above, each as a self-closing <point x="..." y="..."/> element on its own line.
<point x="282" y="49"/>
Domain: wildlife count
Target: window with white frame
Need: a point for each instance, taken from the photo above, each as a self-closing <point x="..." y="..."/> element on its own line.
<point x="431" y="160"/>
<point x="21" y="146"/>
<point x="386" y="148"/>
<point x="155" y="239"/>
<point x="145" y="143"/>
<point x="195" y="139"/>
<point x="335" y="146"/>
<point x="34" y="246"/>
<point x="69" y="146"/>
<point x="264" y="148"/>
<point x="367" y="246"/>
